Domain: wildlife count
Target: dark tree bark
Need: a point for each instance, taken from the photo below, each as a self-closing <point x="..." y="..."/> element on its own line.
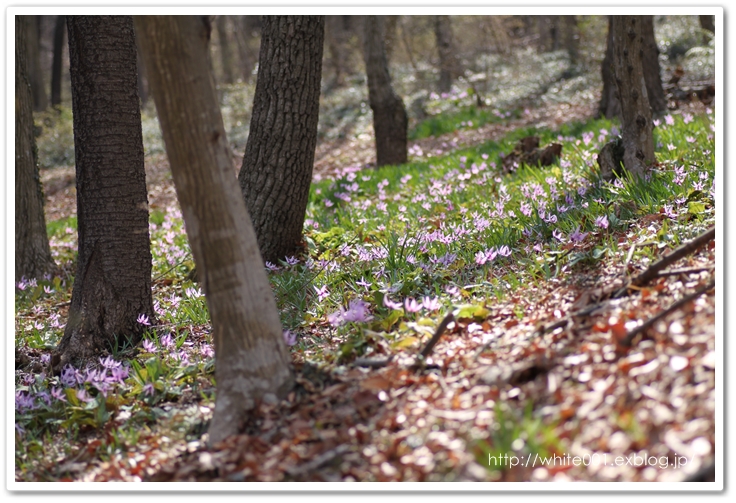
<point x="226" y="59"/>
<point x="609" y="105"/>
<point x="389" y="115"/>
<point x="446" y="52"/>
<point x="650" y="66"/>
<point x="279" y="156"/>
<point x="32" y="252"/>
<point x="707" y="23"/>
<point x="56" y="64"/>
<point x="40" y="100"/>
<point x="252" y="362"/>
<point x="636" y="114"/>
<point x="112" y="286"/>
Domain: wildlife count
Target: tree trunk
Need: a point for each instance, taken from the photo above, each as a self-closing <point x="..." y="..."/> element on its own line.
<point x="226" y="59"/>
<point x="650" y="66"/>
<point x="252" y="362"/>
<point x="40" y="100"/>
<point x="112" y="286"/>
<point x="32" y="252"/>
<point x="56" y="65"/>
<point x="245" y="40"/>
<point x="391" y="24"/>
<point x="609" y="106"/>
<point x="636" y="114"/>
<point x="446" y="52"/>
<point x="279" y="156"/>
<point x="389" y="115"/>
<point x="572" y="38"/>
<point x="336" y="41"/>
<point x="549" y="39"/>
<point x="707" y="23"/>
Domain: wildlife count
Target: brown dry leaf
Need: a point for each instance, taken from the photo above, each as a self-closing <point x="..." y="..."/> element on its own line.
<point x="376" y="383"/>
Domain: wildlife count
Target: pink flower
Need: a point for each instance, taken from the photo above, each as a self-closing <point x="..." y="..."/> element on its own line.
<point x="576" y="236"/>
<point x="289" y="338"/>
<point x="143" y="320"/>
<point x="391" y="304"/>
<point x="431" y="304"/>
<point x="411" y="305"/>
<point x="602" y="221"/>
<point x="322" y="293"/>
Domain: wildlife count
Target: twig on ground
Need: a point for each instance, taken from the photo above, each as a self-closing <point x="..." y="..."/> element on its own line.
<point x="553" y="326"/>
<point x="684" y="250"/>
<point x="654" y="269"/>
<point x="449" y="318"/>
<point x="686" y="270"/>
<point x="374" y="363"/>
<point x="382" y="362"/>
<point x="674" y="307"/>
<point x="319" y="461"/>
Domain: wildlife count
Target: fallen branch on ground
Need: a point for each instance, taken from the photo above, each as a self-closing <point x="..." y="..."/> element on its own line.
<point x="674" y="307"/>
<point x="684" y="250"/>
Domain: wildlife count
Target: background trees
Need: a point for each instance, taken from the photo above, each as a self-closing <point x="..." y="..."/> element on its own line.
<point x="33" y="55"/>
<point x="389" y="115"/>
<point x="58" y="49"/>
<point x="112" y="286"/>
<point x="251" y="358"/>
<point x="277" y="166"/>
<point x="32" y="252"/>
<point x="446" y="51"/>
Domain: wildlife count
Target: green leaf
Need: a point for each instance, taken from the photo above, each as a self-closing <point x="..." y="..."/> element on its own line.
<point x="406" y="342"/>
<point x="71" y="395"/>
<point x="695" y="208"/>
<point x="389" y="321"/>
<point x="599" y="252"/>
<point x="694" y="195"/>
<point x="471" y="311"/>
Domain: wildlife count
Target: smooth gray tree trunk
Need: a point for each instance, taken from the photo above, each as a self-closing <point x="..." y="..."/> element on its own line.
<point x="252" y="362"/>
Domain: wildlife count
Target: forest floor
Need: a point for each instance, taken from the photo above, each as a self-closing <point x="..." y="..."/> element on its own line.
<point x="538" y="376"/>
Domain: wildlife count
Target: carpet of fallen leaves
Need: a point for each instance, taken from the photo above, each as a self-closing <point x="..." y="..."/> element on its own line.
<point x="596" y="398"/>
<point x="655" y="398"/>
